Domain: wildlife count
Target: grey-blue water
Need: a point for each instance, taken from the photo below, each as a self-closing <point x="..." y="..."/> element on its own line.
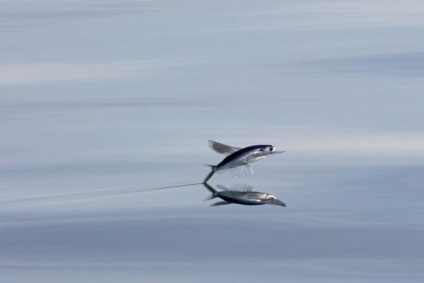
<point x="101" y="98"/>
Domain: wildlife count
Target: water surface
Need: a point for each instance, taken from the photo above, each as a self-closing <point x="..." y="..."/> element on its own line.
<point x="101" y="99"/>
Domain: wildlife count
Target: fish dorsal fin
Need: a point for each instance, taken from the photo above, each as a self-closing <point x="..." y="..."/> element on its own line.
<point x="222" y="148"/>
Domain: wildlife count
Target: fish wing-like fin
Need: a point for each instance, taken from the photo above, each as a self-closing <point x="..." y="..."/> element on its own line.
<point x="222" y="148"/>
<point x="220" y="203"/>
<point x="242" y="170"/>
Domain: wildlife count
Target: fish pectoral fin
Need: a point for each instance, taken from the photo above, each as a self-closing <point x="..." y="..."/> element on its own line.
<point x="220" y="203"/>
<point x="242" y="170"/>
<point x="222" y="148"/>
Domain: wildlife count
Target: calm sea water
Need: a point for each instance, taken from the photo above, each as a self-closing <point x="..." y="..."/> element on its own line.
<point x="101" y="100"/>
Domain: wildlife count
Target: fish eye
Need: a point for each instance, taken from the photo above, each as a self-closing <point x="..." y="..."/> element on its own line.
<point x="271" y="148"/>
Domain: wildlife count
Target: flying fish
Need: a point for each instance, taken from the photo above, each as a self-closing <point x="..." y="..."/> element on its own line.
<point x="238" y="159"/>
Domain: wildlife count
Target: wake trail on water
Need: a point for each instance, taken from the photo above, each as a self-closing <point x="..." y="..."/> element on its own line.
<point x="95" y="194"/>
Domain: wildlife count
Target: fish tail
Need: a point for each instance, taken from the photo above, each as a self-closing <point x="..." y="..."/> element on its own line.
<point x="213" y="167"/>
<point x="208" y="176"/>
<point x="213" y="194"/>
<point x="213" y="170"/>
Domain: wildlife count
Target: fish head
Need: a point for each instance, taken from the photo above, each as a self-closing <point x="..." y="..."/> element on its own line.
<point x="267" y="148"/>
<point x="270" y="199"/>
<point x="270" y="149"/>
<point x="262" y="150"/>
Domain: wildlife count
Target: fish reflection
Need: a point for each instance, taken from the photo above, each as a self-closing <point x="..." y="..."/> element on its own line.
<point x="238" y="159"/>
<point x="243" y="195"/>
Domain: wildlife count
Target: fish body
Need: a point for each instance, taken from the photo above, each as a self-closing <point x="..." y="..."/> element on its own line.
<point x="245" y="197"/>
<point x="243" y="156"/>
<point x="238" y="159"/>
